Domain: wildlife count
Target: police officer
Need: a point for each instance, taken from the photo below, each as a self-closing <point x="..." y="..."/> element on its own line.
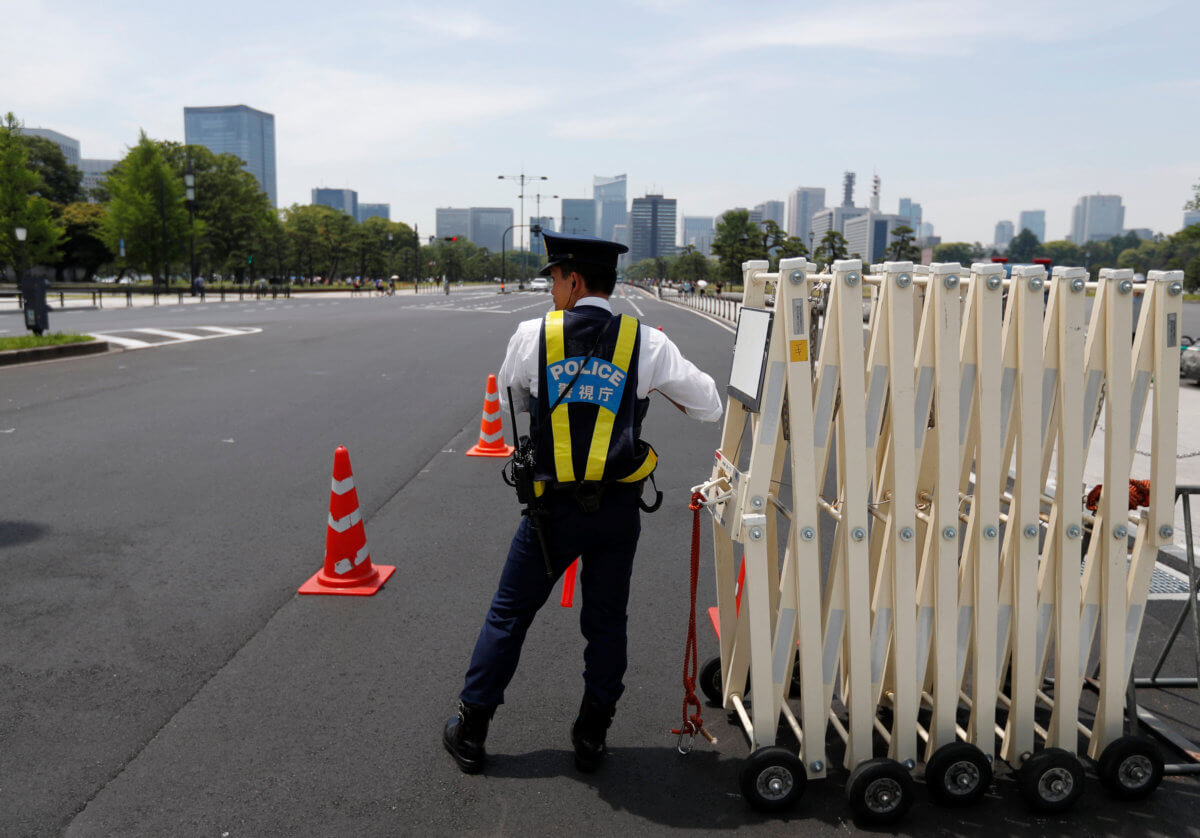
<point x="585" y="376"/>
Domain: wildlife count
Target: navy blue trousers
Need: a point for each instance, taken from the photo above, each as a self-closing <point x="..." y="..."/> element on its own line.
<point x="605" y="541"/>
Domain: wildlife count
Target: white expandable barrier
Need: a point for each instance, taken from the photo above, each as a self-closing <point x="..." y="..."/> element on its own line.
<point x="955" y="613"/>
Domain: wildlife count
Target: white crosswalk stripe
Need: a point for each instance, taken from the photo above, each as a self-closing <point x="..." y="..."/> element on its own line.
<point x="137" y="338"/>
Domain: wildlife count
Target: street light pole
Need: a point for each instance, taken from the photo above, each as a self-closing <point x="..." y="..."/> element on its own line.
<point x="522" y="178"/>
<point x="189" y="187"/>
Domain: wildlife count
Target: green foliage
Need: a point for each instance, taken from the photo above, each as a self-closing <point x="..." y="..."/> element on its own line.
<point x="1023" y="247"/>
<point x="33" y="341"/>
<point x="1194" y="203"/>
<point x="691" y="266"/>
<point x="902" y="248"/>
<point x="737" y="239"/>
<point x="961" y="252"/>
<point x="60" y="179"/>
<point x="831" y="248"/>
<point x="1061" y="252"/>
<point x="21" y="205"/>
<point x="321" y="239"/>
<point x="146" y="210"/>
<point x="84" y="245"/>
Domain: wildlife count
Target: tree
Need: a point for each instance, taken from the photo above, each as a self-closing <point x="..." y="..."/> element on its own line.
<point x="1061" y="252"/>
<point x="960" y="252"/>
<point x="831" y="248"/>
<point x="1194" y="204"/>
<point x="21" y="205"/>
<point x="791" y="248"/>
<point x="60" y="179"/>
<point x="146" y="210"/>
<point x="902" y="248"/>
<point x="1022" y="248"/>
<point x="690" y="266"/>
<point x="736" y="240"/>
<point x="84" y="245"/>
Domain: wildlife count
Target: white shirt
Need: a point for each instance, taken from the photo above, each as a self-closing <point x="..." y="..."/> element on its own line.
<point x="661" y="366"/>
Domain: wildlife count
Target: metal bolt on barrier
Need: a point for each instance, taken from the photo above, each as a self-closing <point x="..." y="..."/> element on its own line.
<point x="1036" y="284"/>
<point x="808" y="533"/>
<point x="852" y="278"/>
<point x="1175" y="289"/>
<point x="757" y="502"/>
<point x="756" y="533"/>
<point x="1077" y="284"/>
<point x="950" y="533"/>
<point x="904" y="280"/>
<point x="1031" y="531"/>
<point x="951" y="281"/>
<point x="1125" y="286"/>
<point x="1074" y="531"/>
<point x="859" y="534"/>
<point x="1120" y="532"/>
<point x="990" y="532"/>
<point x="1166" y="531"/>
<point x="906" y="534"/>
<point x="994" y="282"/>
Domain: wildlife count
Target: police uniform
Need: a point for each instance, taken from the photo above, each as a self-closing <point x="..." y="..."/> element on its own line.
<point x="585" y="376"/>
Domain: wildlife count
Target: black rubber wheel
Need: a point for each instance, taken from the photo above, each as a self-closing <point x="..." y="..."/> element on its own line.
<point x="773" y="779"/>
<point x="957" y="774"/>
<point x="1130" y="767"/>
<point x="1051" y="780"/>
<point x="710" y="681"/>
<point x="880" y="791"/>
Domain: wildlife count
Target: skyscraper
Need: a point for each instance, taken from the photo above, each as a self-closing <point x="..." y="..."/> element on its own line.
<point x="1035" y="222"/>
<point x="579" y="216"/>
<point x="241" y="131"/>
<point x="1004" y="234"/>
<point x="94" y="173"/>
<point x="770" y="211"/>
<point x="1191" y="217"/>
<point x="344" y="200"/>
<point x="366" y="211"/>
<point x="69" y="145"/>
<point x="869" y="233"/>
<point x="911" y="210"/>
<point x="652" y="228"/>
<point x="802" y="203"/>
<point x="698" y="232"/>
<point x="488" y="225"/>
<point x="1097" y="218"/>
<point x="546" y="224"/>
<point x="453" y="221"/>
<point x="609" y="194"/>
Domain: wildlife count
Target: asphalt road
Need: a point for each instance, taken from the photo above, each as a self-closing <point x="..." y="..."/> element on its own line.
<point x="159" y="675"/>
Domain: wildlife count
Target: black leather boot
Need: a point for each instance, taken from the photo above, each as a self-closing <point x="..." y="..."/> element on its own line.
<point x="464" y="735"/>
<point x="588" y="732"/>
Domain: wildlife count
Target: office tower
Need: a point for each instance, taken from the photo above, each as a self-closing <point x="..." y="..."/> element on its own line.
<point x="94" y="173"/>
<point x="488" y="225"/>
<point x="1004" y="235"/>
<point x="698" y="232"/>
<point x="579" y="216"/>
<point x="69" y="145"/>
<point x="802" y="203"/>
<point x="651" y="227"/>
<point x="911" y="210"/>
<point x="770" y="211"/>
<point x="833" y="218"/>
<point x="1097" y="218"/>
<point x="609" y="195"/>
<point x="848" y="189"/>
<point x="1035" y="222"/>
<point x="1191" y="217"/>
<point x="453" y="221"/>
<point x="244" y="132"/>
<point x="868" y="234"/>
<point x="343" y="200"/>
<point x="366" y="211"/>
<point x="546" y="224"/>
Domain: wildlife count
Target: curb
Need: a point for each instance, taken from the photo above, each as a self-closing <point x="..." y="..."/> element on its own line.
<point x="47" y="353"/>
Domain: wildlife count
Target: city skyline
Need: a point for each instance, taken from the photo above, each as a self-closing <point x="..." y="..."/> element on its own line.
<point x="423" y="110"/>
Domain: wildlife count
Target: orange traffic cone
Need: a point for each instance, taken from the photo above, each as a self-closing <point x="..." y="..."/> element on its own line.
<point x="348" y="568"/>
<point x="491" y="427"/>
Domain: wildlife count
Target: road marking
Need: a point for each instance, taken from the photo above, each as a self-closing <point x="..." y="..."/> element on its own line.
<point x="119" y="335"/>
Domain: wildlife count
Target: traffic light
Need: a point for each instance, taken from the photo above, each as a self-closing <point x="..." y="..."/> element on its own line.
<point x="450" y="238"/>
<point x="250" y="260"/>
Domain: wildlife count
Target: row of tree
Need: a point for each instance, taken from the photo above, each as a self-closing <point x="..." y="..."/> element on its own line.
<point x="140" y="221"/>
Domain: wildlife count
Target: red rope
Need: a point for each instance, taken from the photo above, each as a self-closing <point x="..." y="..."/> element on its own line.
<point x="692" y="724"/>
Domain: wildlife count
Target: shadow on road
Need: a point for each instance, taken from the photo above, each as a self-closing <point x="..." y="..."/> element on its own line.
<point x="21" y="532"/>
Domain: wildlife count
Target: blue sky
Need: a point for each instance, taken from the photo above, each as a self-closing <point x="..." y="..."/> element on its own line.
<point x="976" y="110"/>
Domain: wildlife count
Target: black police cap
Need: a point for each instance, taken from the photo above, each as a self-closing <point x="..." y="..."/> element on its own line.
<point x="589" y="250"/>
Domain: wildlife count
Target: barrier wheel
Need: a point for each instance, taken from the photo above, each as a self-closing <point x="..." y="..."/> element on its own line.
<point x="1051" y="780"/>
<point x="958" y="774"/>
<point x="880" y="791"/>
<point x="710" y="681"/>
<point x="773" y="779"/>
<point x="1130" y="767"/>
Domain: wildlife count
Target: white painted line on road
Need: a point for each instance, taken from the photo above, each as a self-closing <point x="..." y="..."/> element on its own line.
<point x="127" y="343"/>
<point x="532" y="305"/>
<point x="222" y="330"/>
<point x="166" y="333"/>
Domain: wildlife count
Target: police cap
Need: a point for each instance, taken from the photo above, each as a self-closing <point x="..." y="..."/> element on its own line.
<point x="585" y="249"/>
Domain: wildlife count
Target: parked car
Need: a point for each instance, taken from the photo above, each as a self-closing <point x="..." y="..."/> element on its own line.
<point x="539" y="283"/>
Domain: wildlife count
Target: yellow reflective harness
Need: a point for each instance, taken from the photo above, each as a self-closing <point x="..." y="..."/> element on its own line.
<point x="560" y="422"/>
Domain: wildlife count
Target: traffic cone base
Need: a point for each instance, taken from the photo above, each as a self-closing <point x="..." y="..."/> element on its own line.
<point x="491" y="426"/>
<point x="321" y="583"/>
<point x="347" y="568"/>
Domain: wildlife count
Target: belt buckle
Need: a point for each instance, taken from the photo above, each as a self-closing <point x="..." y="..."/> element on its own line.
<point x="587" y="495"/>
